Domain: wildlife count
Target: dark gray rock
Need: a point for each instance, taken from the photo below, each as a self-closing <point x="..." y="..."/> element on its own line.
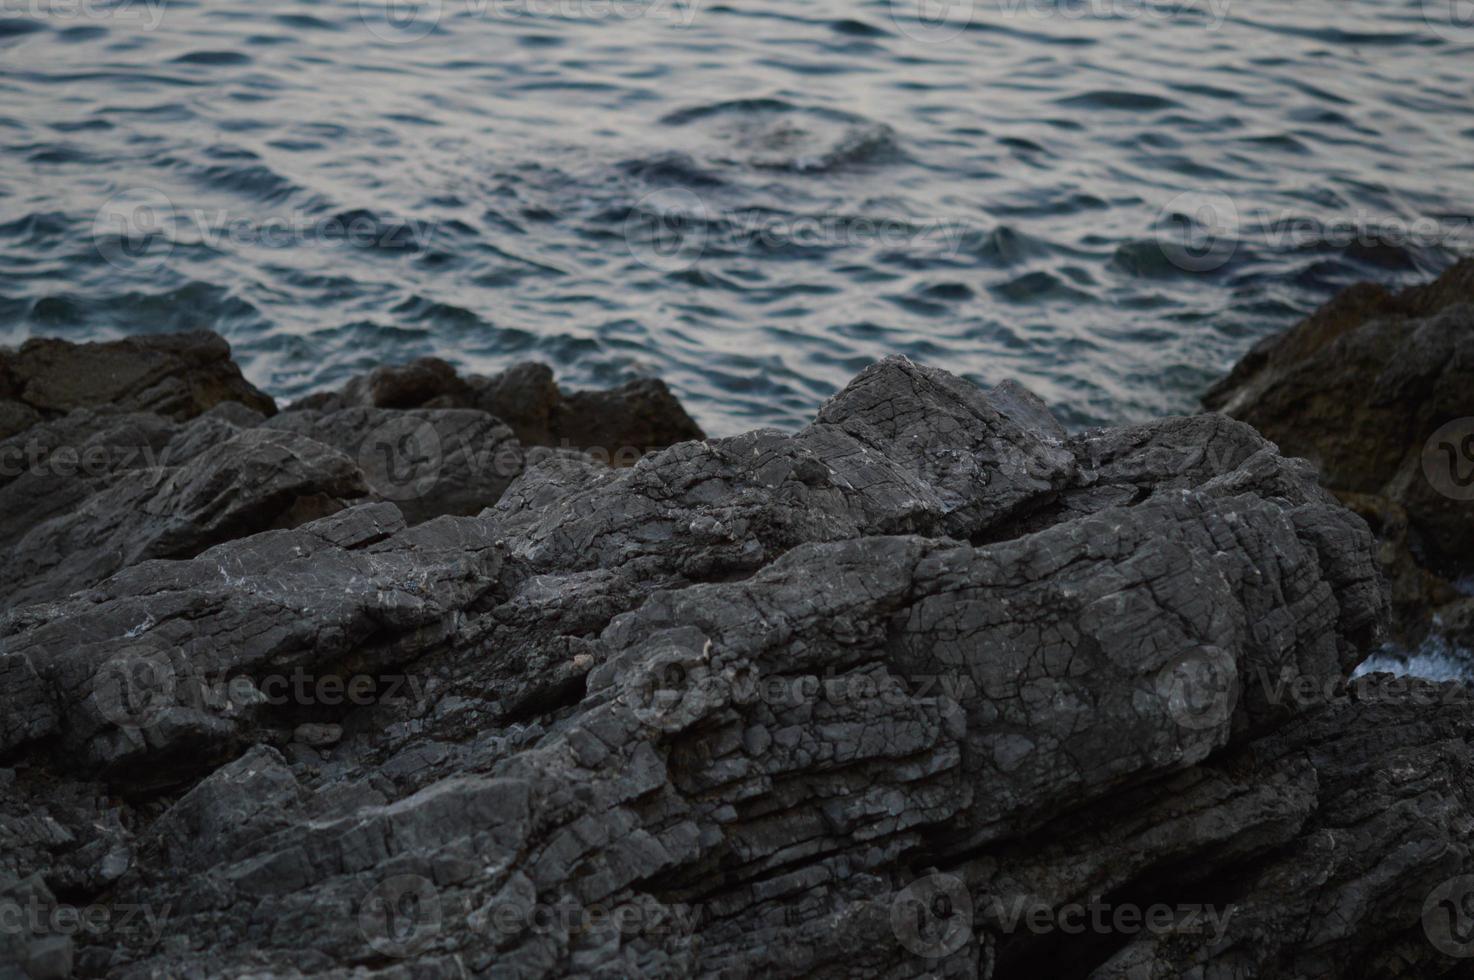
<point x="165" y="659"/>
<point x="431" y="462"/>
<point x="903" y="449"/>
<point x="1374" y="390"/>
<point x="178" y="375"/>
<point x="900" y="694"/>
<point x="231" y="483"/>
<point x="617" y="425"/>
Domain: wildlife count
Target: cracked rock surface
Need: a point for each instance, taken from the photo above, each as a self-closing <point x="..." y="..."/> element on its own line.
<point x="905" y="693"/>
<point x="1374" y="389"/>
<point x="157" y="447"/>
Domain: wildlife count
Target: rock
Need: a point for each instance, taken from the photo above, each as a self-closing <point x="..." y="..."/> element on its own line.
<point x="175" y="375"/>
<point x="617" y="426"/>
<point x="245" y="481"/>
<point x="430" y="461"/>
<point x="318" y="736"/>
<point x="189" y="456"/>
<point x="169" y="657"/>
<point x="49" y="959"/>
<point x="910" y="692"/>
<point x="903" y="449"/>
<point x="1373" y="389"/>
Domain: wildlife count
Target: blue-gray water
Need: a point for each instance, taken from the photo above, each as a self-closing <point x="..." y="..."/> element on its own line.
<point x="752" y="201"/>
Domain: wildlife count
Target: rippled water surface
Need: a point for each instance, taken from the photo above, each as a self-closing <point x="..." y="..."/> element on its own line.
<point x="1108" y="199"/>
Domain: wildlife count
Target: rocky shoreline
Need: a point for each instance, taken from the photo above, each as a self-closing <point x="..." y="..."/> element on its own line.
<point x="439" y="676"/>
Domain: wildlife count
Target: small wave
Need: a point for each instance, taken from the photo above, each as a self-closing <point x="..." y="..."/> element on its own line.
<point x="1151" y="260"/>
<point x="213" y="58"/>
<point x="418" y="309"/>
<point x="1004" y="245"/>
<point x="671" y="168"/>
<point x="305" y="22"/>
<point x="18" y="26"/>
<point x="60" y="153"/>
<point x="1119" y="99"/>
<point x="1038" y="286"/>
<point x="37" y="230"/>
<point x="367" y="230"/>
<point x="1436" y="660"/>
<point x="1279" y="141"/>
<point x="856" y="28"/>
<point x="186" y="307"/>
<point x="681" y="117"/>
<point x="80" y="35"/>
<point x="857" y="147"/>
<point x="506" y="184"/>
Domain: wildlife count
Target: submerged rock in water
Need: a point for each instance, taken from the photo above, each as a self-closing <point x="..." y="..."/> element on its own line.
<point x="919" y="690"/>
<point x="1375" y="389"/>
